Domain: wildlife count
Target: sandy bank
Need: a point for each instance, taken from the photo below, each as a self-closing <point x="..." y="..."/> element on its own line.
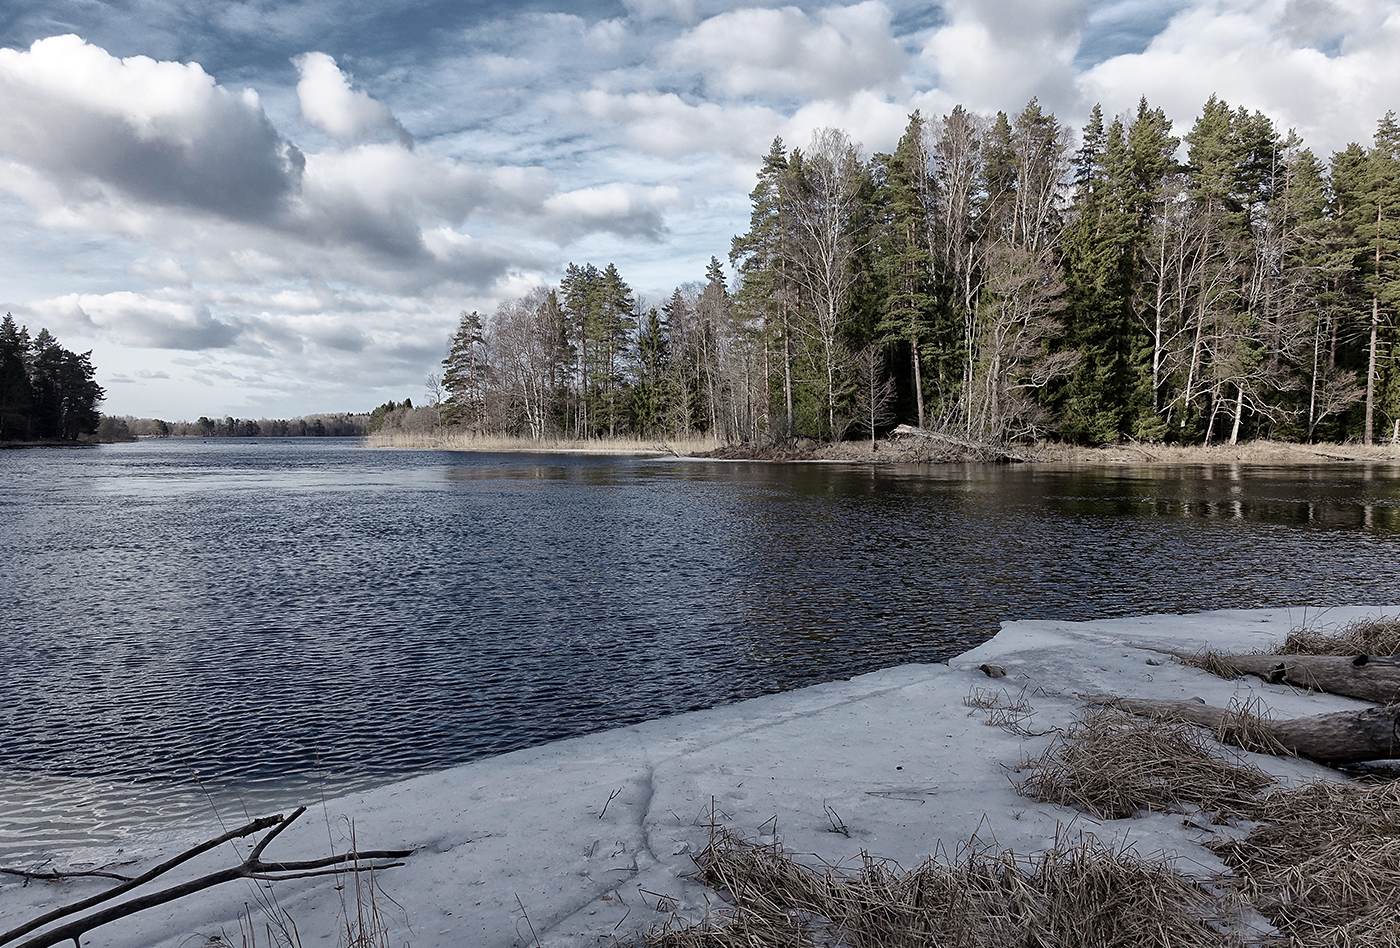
<point x="586" y="836"/>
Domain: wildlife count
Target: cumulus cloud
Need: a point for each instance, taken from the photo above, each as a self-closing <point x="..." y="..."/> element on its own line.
<point x="997" y="54"/>
<point x="104" y="129"/>
<point x="786" y="52"/>
<point x="137" y="319"/>
<point x="1329" y="70"/>
<point x="347" y="115"/>
<point x="622" y="209"/>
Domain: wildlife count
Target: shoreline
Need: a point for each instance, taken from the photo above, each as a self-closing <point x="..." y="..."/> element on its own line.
<point x="907" y="450"/>
<point x="593" y="836"/>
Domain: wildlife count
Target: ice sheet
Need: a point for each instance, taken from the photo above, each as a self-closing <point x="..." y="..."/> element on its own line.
<point x="574" y="842"/>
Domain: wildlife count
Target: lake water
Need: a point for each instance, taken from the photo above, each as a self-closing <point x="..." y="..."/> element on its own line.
<point x="190" y="625"/>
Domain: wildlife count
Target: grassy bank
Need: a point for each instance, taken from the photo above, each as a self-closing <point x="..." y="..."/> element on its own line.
<point x="899" y="450"/>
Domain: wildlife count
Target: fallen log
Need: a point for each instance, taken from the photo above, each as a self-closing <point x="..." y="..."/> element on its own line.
<point x="1355" y="676"/>
<point x="1342" y="737"/>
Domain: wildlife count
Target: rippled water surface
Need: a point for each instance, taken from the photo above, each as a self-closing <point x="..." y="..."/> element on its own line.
<point x="185" y="622"/>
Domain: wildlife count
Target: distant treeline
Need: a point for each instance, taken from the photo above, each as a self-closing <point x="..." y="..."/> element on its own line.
<point x="341" y="425"/>
<point x="989" y="279"/>
<point x="47" y="393"/>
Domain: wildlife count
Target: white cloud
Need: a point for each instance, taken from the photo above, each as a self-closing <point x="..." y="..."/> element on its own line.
<point x="997" y="54"/>
<point x="1260" y="54"/>
<point x="105" y="130"/>
<point x="623" y="209"/>
<point x="785" y="52"/>
<point x="347" y="115"/>
<point x="155" y="321"/>
<point x="665" y="124"/>
<point x="165" y="272"/>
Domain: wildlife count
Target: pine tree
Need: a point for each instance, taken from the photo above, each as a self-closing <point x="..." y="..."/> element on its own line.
<point x="649" y="401"/>
<point x="903" y="262"/>
<point x="761" y="258"/>
<point x="16" y="394"/>
<point x="1366" y="209"/>
<point x="463" y="376"/>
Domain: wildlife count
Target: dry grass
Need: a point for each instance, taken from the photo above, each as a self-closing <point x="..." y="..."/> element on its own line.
<point x="1325" y="866"/>
<point x="1251" y="452"/>
<point x="1083" y="894"/>
<point x="1003" y="711"/>
<point x="1214" y="662"/>
<point x="1376" y="636"/>
<point x="1246" y="725"/>
<point x="1113" y="764"/>
<point x="457" y="440"/>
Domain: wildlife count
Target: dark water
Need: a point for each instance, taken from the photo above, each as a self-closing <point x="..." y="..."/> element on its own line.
<point x="272" y="619"/>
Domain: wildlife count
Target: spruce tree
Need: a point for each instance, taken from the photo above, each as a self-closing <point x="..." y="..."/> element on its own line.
<point x="902" y="260"/>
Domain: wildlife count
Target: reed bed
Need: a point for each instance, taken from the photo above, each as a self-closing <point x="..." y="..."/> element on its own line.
<point x="1113" y="765"/>
<point x="1081" y="894"/>
<point x="1324" y="867"/>
<point x="448" y="439"/>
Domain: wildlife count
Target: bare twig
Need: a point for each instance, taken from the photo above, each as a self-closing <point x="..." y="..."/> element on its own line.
<point x="251" y="868"/>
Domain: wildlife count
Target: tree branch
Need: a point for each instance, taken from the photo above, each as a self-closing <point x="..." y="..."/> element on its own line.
<point x="251" y="868"/>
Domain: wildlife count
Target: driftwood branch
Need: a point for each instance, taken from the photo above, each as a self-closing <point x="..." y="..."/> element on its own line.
<point x="1342" y="737"/>
<point x="251" y="868"/>
<point x="1356" y="676"/>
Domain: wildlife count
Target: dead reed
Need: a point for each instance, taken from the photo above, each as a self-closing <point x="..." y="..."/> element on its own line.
<point x="1113" y="764"/>
<point x="1082" y="894"/>
<point x="1324" y="866"/>
<point x="1214" y="662"/>
<point x="1375" y="636"/>
<point x="1003" y="711"/>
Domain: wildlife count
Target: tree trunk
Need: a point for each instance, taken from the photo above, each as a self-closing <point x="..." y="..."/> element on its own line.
<point x="1359" y="676"/>
<point x="1239" y="413"/>
<point x="1342" y="737"/>
<point x="918" y="380"/>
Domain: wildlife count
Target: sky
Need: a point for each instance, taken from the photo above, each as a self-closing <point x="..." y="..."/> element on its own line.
<point x="268" y="209"/>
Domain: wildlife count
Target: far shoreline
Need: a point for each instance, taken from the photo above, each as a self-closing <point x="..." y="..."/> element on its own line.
<point x="904" y="450"/>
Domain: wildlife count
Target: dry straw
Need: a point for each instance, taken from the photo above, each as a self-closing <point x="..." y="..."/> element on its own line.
<point x="1324" y="867"/>
<point x="1113" y="765"/>
<point x="1214" y="662"/>
<point x="1378" y="636"/>
<point x="1083" y="894"/>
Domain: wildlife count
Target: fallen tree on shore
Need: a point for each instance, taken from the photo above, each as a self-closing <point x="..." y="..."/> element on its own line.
<point x="1341" y="737"/>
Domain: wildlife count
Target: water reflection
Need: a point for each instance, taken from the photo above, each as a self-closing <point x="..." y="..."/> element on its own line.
<point x="279" y="616"/>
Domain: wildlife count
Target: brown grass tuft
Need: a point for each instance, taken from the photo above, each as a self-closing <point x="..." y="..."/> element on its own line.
<point x="1325" y="865"/>
<point x="1113" y="764"/>
<point x="1376" y="636"/>
<point x="1214" y="662"/>
<point x="1076" y="894"/>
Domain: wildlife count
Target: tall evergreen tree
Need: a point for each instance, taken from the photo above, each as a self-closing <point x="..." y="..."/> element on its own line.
<point x="902" y="257"/>
<point x="16" y="393"/>
<point x="762" y="259"/>
<point x="464" y="369"/>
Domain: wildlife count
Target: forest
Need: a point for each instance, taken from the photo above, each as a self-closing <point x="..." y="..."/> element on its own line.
<point x="47" y="393"/>
<point x="997" y="277"/>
